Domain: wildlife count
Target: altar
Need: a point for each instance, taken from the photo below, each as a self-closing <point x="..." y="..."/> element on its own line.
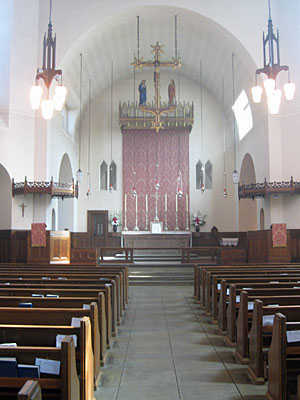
<point x="163" y="240"/>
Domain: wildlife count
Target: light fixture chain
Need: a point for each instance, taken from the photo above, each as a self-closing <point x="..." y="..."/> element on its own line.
<point x="176" y="52"/>
<point x="80" y="106"/>
<point x="138" y="37"/>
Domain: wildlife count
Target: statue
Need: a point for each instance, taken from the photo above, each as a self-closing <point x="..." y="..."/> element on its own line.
<point x="143" y="93"/>
<point x="171" y="93"/>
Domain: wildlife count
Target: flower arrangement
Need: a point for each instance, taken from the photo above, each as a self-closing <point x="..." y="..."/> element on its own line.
<point x="115" y="220"/>
<point x="199" y="220"/>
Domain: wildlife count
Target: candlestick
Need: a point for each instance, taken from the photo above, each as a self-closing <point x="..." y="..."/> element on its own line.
<point x="187" y="202"/>
<point x="176" y="202"/>
<point x="166" y="202"/>
<point x="125" y="212"/>
<point x="136" y="228"/>
<point x="146" y="202"/>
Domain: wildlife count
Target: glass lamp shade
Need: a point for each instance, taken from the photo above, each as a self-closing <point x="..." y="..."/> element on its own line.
<point x="269" y="85"/>
<point x="61" y="92"/>
<point x="79" y="175"/>
<point x="274" y="102"/>
<point x="35" y="96"/>
<point x="47" y="109"/>
<point x="256" y="94"/>
<point x="235" y="177"/>
<point x="289" y="90"/>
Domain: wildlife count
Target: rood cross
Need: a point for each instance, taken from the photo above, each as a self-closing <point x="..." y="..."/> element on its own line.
<point x="157" y="111"/>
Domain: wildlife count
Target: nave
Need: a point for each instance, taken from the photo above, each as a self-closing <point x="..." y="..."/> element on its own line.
<point x="167" y="349"/>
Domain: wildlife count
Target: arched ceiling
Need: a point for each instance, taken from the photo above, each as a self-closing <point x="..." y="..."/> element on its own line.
<point x="199" y="40"/>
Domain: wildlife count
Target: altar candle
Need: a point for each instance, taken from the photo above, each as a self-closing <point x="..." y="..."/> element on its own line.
<point x="166" y="202"/>
<point x="125" y="202"/>
<point x="136" y="208"/>
<point x="187" y="202"/>
<point x="146" y="203"/>
<point x="176" y="202"/>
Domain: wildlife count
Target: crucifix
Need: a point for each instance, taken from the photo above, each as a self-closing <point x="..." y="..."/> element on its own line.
<point x="157" y="111"/>
<point x="23" y="209"/>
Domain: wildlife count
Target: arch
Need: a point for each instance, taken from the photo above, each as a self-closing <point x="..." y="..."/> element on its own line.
<point x="247" y="207"/>
<point x="103" y="176"/>
<point x="65" y="207"/>
<point x="199" y="175"/>
<point x="113" y="175"/>
<point x="5" y="199"/>
<point x="262" y="219"/>
<point x="53" y="220"/>
<point x="208" y="175"/>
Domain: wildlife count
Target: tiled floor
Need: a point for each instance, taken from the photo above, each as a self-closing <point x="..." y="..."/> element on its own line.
<point x="167" y="349"/>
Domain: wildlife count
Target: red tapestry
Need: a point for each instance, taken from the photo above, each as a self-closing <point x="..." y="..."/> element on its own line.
<point x="279" y="235"/>
<point x="38" y="235"/>
<point x="142" y="151"/>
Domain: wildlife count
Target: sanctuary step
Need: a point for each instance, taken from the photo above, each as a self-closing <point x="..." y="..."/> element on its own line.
<point x="161" y="267"/>
<point x="161" y="273"/>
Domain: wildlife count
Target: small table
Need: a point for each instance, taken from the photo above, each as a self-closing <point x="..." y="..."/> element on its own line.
<point x="229" y="241"/>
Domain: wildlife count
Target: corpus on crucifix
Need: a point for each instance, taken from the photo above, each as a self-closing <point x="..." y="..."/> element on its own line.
<point x="23" y="209"/>
<point x="157" y="64"/>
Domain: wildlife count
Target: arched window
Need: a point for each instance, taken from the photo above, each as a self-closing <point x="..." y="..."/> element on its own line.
<point x="113" y="175"/>
<point x="103" y="176"/>
<point x="199" y="175"/>
<point x="208" y="175"/>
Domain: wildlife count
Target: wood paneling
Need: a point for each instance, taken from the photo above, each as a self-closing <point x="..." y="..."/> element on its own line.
<point x="38" y="255"/>
<point x="84" y="256"/>
<point x="5" y="243"/>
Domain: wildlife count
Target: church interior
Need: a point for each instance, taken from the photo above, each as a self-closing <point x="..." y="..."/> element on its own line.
<point x="149" y="191"/>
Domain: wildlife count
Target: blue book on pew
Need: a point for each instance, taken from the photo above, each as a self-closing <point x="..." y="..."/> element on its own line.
<point x="8" y="367"/>
<point x="28" y="371"/>
<point x="26" y="305"/>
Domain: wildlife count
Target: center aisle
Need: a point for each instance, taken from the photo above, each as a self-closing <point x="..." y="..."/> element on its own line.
<point x="167" y="349"/>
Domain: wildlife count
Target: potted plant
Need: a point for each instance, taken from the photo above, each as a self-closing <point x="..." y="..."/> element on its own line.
<point x="199" y="220"/>
<point x="115" y="221"/>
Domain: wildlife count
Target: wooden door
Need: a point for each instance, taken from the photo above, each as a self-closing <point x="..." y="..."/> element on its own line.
<point x="98" y="227"/>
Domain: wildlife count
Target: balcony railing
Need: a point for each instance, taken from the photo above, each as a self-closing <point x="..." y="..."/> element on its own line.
<point x="54" y="189"/>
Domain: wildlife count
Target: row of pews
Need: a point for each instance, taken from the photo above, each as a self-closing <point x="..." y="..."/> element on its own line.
<point x="257" y="309"/>
<point x="66" y="314"/>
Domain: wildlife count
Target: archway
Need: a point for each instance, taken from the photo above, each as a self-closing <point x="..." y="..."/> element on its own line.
<point x="5" y="199"/>
<point x="65" y="207"/>
<point x="247" y="207"/>
<point x="262" y="219"/>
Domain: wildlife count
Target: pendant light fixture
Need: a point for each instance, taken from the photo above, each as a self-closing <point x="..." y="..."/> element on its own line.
<point x="48" y="73"/>
<point x="224" y="140"/>
<point x="235" y="174"/>
<point x="271" y="69"/>
<point x="88" y="193"/>
<point x="79" y="173"/>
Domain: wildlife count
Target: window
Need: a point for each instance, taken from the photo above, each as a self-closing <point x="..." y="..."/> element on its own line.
<point x="103" y="176"/>
<point x="113" y="176"/>
<point x="199" y="175"/>
<point x="208" y="175"/>
<point x="243" y="114"/>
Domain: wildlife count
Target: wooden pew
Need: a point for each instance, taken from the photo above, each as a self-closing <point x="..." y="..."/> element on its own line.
<point x="66" y="386"/>
<point x="62" y="292"/>
<point x="52" y="317"/>
<point x="283" y="362"/>
<point x="66" y="302"/>
<point x="240" y="306"/>
<point x="260" y="336"/>
<point x="30" y="391"/>
<point x="109" y="288"/>
<point x="252" y="283"/>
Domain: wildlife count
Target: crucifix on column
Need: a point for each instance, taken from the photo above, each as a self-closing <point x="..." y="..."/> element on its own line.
<point x="157" y="64"/>
<point x="23" y="209"/>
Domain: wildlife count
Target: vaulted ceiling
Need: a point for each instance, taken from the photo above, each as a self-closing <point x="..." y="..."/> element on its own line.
<point x="199" y="40"/>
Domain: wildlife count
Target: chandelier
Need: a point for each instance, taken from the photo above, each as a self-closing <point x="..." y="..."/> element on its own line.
<point x="48" y="73"/>
<point x="271" y="68"/>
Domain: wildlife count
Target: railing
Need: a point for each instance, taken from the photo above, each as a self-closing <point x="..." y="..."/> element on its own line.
<point x="250" y="191"/>
<point x="54" y="189"/>
<point x="132" y="117"/>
